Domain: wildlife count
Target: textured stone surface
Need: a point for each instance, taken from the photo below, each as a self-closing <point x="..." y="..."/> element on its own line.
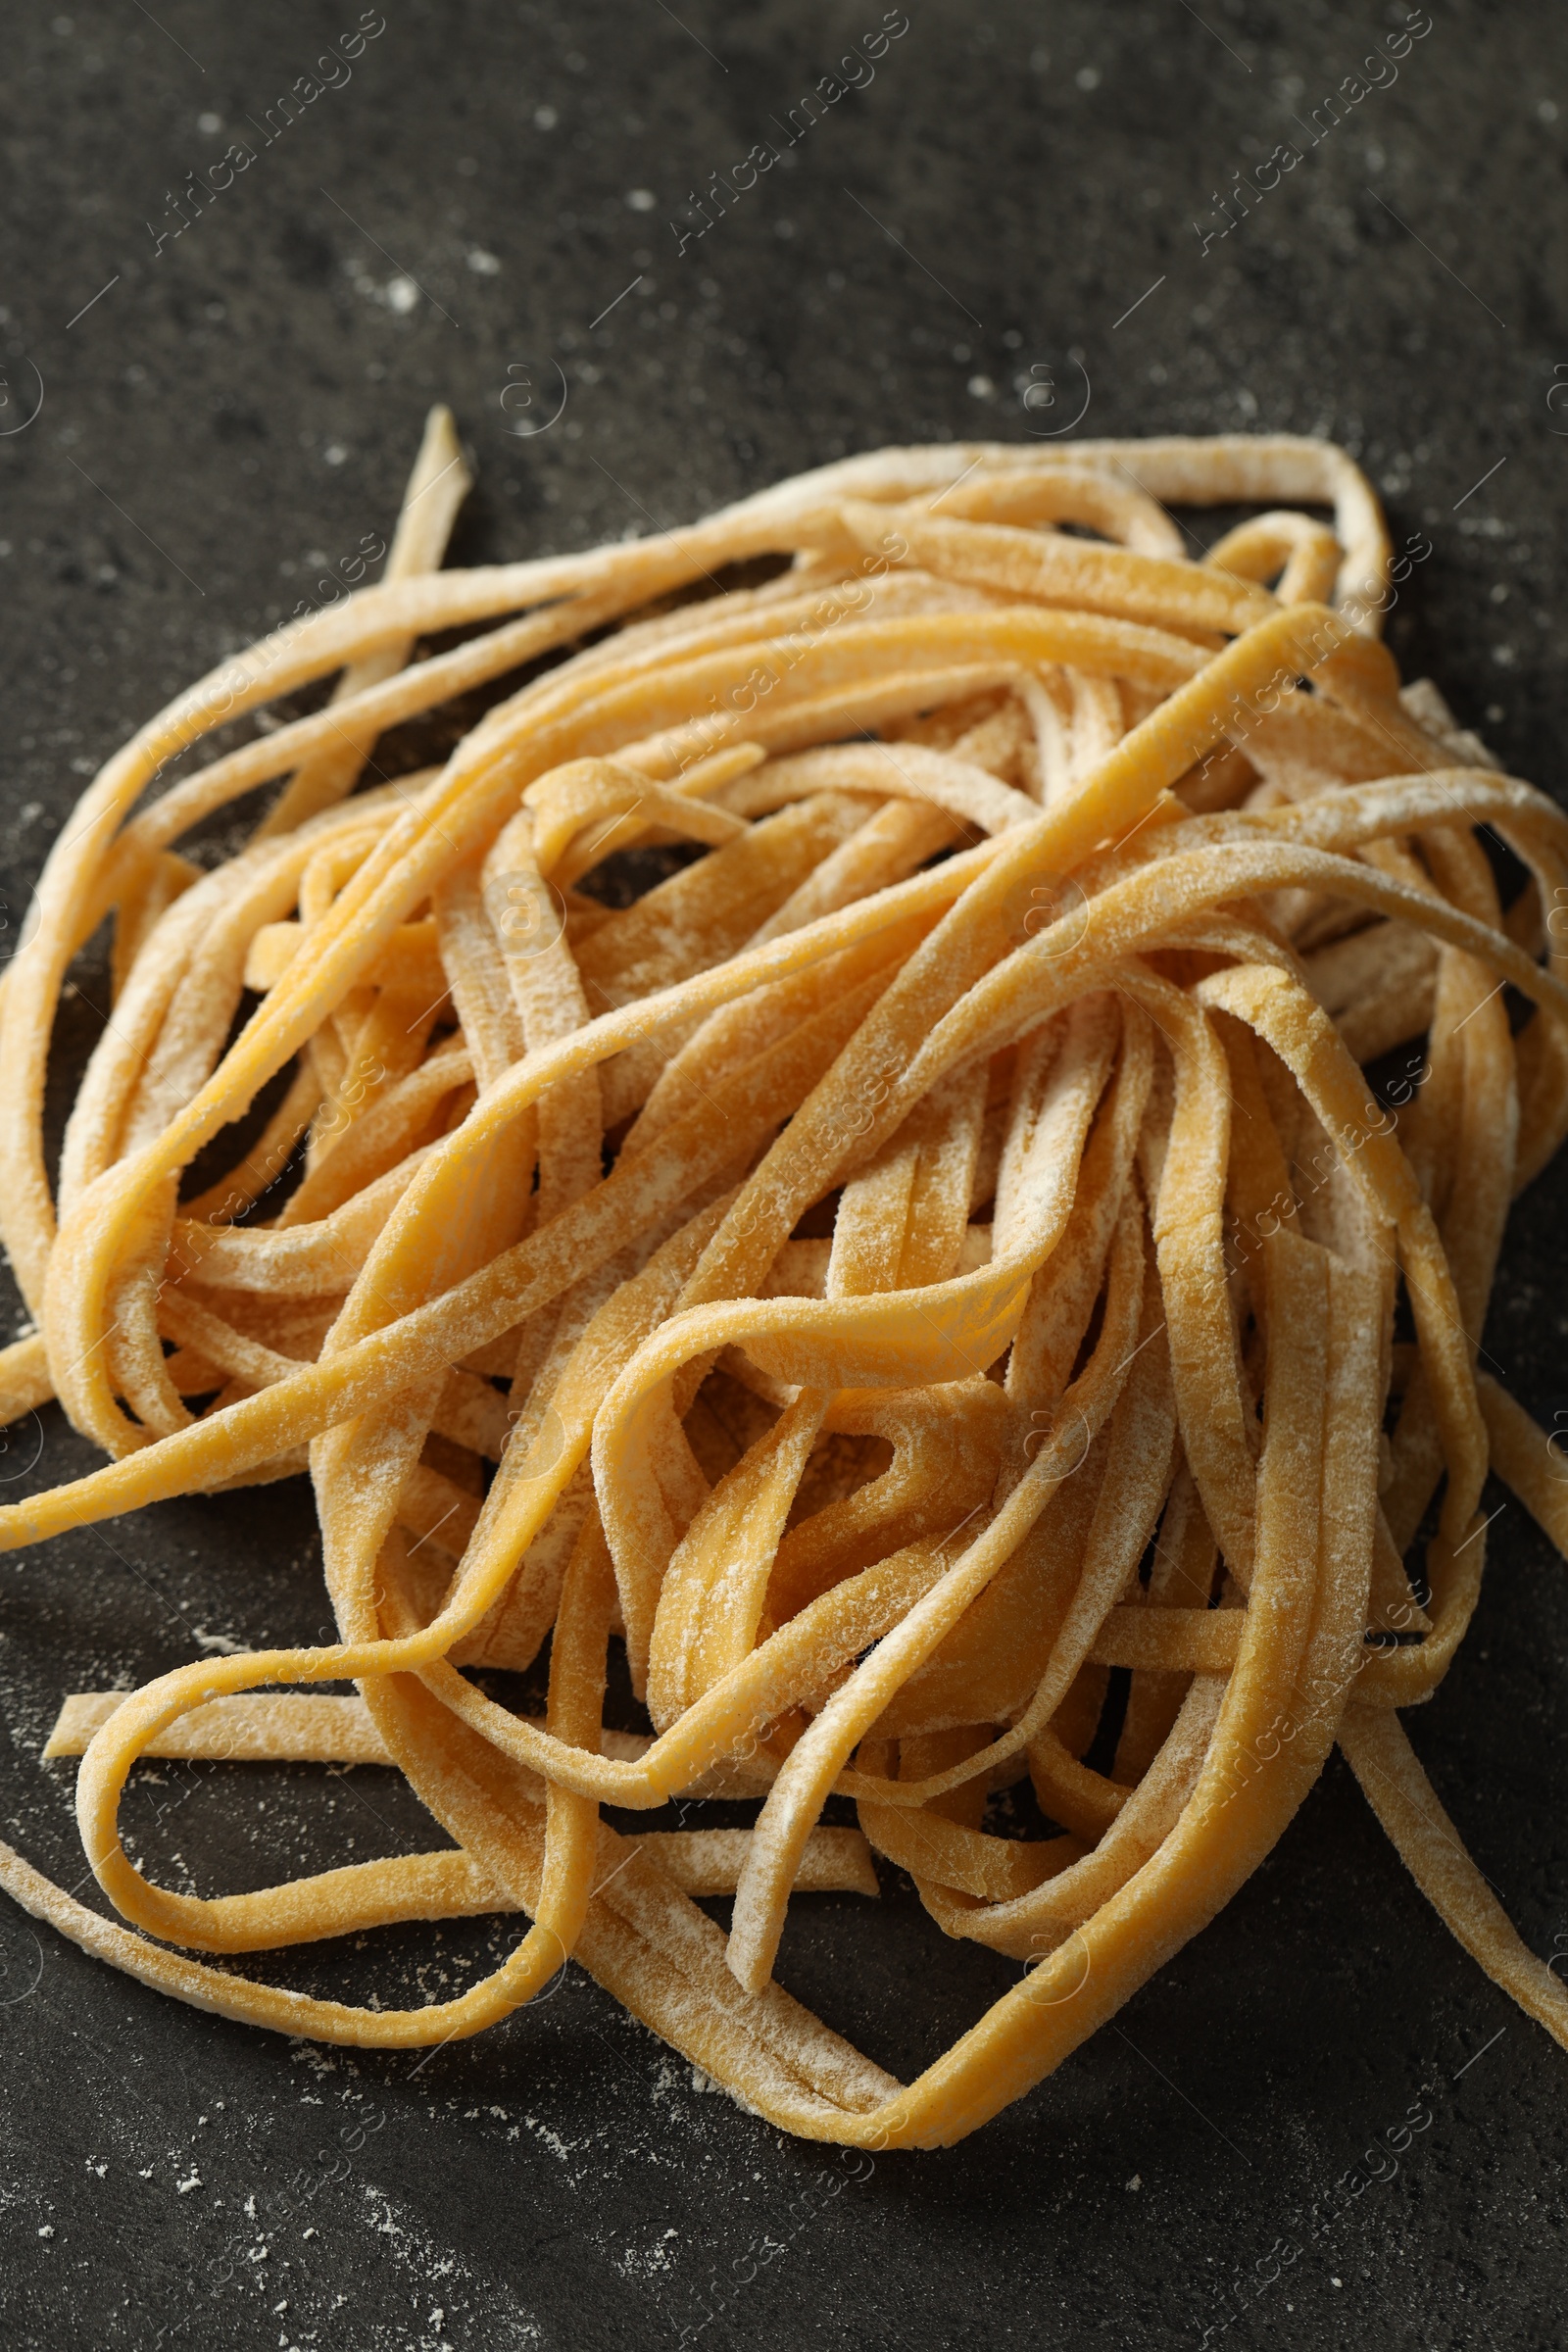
<point x="237" y="409"/>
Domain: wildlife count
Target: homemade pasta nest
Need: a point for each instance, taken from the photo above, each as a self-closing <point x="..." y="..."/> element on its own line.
<point x="929" y="1276"/>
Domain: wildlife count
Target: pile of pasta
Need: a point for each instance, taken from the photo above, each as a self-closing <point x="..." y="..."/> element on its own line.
<point x="929" y="1276"/>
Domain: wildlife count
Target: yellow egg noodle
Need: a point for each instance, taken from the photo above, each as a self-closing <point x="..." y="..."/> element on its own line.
<point x="935" y="1249"/>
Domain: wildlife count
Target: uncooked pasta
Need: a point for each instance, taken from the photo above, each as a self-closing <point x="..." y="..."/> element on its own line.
<point x="929" y="1276"/>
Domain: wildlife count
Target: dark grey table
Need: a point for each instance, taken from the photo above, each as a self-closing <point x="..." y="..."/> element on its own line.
<point x="499" y="205"/>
